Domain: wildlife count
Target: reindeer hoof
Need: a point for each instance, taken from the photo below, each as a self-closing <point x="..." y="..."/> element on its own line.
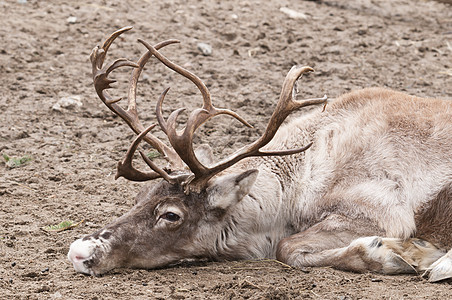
<point x="440" y="269"/>
<point x="381" y="251"/>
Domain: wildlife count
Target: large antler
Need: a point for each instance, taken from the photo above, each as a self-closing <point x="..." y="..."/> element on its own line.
<point x="130" y="116"/>
<point x="182" y="142"/>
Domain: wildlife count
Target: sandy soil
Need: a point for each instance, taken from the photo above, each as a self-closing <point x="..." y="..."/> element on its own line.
<point x="401" y="44"/>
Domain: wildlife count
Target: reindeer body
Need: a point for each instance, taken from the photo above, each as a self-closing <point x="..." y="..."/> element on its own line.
<point x="372" y="193"/>
<point x="359" y="168"/>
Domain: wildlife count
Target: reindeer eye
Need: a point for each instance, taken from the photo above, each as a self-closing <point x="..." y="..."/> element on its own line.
<point x="170" y="216"/>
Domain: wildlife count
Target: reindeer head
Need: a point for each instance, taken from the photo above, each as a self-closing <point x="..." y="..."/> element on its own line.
<point x="180" y="217"/>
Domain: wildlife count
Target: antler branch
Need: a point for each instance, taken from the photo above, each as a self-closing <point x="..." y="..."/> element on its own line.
<point x="183" y="142"/>
<point x="126" y="169"/>
<point x="130" y="116"/>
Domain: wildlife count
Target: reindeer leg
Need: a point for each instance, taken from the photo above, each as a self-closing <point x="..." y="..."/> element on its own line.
<point x="352" y="245"/>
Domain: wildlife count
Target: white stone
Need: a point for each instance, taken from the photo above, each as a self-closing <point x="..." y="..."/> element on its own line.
<point x="293" y="14"/>
<point x="205" y="49"/>
<point x="68" y="103"/>
<point x="71" y="20"/>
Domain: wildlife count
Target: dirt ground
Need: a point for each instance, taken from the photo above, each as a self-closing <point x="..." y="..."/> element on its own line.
<point x="72" y="151"/>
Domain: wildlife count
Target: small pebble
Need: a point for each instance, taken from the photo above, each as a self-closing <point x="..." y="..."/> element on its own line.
<point x="71" y="20"/>
<point x="205" y="49"/>
<point x="68" y="103"/>
<point x="44" y="288"/>
<point x="293" y="14"/>
<point x="31" y="275"/>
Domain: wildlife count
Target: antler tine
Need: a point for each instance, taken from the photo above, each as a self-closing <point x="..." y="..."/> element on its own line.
<point x="106" y="45"/>
<point x="125" y="168"/>
<point x="286" y="105"/>
<point x="159" y="113"/>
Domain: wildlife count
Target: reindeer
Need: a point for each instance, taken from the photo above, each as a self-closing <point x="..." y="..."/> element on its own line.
<point x="364" y="185"/>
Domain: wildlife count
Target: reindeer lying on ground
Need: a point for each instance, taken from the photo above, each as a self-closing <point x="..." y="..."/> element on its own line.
<point x="370" y="191"/>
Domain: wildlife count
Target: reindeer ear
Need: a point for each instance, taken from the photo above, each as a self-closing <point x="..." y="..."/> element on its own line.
<point x="204" y="154"/>
<point x="230" y="189"/>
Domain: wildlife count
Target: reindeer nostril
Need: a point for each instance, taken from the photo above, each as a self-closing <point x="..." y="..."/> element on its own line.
<point x="105" y="235"/>
<point x="76" y="257"/>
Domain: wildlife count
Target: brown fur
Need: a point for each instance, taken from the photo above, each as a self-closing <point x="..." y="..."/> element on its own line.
<point x="434" y="219"/>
